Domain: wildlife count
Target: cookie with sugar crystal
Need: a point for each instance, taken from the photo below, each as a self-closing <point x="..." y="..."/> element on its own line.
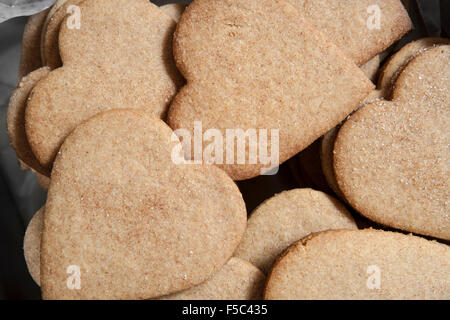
<point x="391" y="159"/>
<point x="50" y="32"/>
<point x="397" y="63"/>
<point x="30" y="58"/>
<point x="15" y="119"/>
<point x="352" y="25"/>
<point x="137" y="224"/>
<point x="32" y="245"/>
<point x="347" y="264"/>
<point x="259" y="65"/>
<point x="237" y="280"/>
<point x="327" y="147"/>
<point x="285" y="219"/>
<point x="174" y="10"/>
<point x="110" y="62"/>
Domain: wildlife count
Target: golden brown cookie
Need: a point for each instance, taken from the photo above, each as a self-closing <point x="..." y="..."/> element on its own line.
<point x="237" y="280"/>
<point x="391" y="159"/>
<point x="397" y="63"/>
<point x="370" y="68"/>
<point x="135" y="224"/>
<point x="263" y="67"/>
<point x="352" y="25"/>
<point x="327" y="148"/>
<point x="15" y="119"/>
<point x="285" y="219"/>
<point x="174" y="10"/>
<point x="362" y="265"/>
<point x="30" y="58"/>
<point x="50" y="32"/>
<point x="127" y="64"/>
<point x="32" y="245"/>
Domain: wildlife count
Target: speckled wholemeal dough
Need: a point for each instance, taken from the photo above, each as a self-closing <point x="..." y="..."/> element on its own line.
<point x="237" y="280"/>
<point x="397" y="63"/>
<point x="327" y="147"/>
<point x="137" y="224"/>
<point x="370" y="68"/>
<point x="32" y="245"/>
<point x="174" y="10"/>
<point x="342" y="265"/>
<point x="102" y="70"/>
<point x="392" y="158"/>
<point x="345" y="22"/>
<point x="15" y="118"/>
<point x="285" y="219"/>
<point x="258" y="64"/>
<point x="50" y="33"/>
<point x="30" y="58"/>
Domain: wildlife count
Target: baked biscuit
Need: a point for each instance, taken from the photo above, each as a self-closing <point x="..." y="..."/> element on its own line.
<point x="287" y="218"/>
<point x="237" y="280"/>
<point x="361" y="265"/>
<point x="128" y="64"/>
<point x="30" y="58"/>
<point x="263" y="67"/>
<point x="391" y="159"/>
<point x="127" y="219"/>
<point x="352" y="25"/>
<point x="397" y="63"/>
<point x="15" y="119"/>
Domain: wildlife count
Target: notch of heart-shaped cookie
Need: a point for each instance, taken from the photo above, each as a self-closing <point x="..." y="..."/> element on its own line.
<point x="258" y="65"/>
<point x="109" y="61"/>
<point x="134" y="223"/>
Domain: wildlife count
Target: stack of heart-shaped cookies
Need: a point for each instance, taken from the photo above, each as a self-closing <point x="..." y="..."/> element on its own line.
<point x="125" y="111"/>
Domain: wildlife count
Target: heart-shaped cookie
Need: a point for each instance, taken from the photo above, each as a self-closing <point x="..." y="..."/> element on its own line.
<point x="128" y="222"/>
<point x="361" y="29"/>
<point x="237" y="280"/>
<point x="391" y="159"/>
<point x="50" y="32"/>
<point x="15" y="120"/>
<point x="397" y="63"/>
<point x="258" y="65"/>
<point x="285" y="219"/>
<point x="110" y="61"/>
<point x="362" y="265"/>
<point x="32" y="245"/>
<point x="30" y="58"/>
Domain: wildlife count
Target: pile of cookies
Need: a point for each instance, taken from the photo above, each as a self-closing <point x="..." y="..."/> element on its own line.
<point x="105" y="86"/>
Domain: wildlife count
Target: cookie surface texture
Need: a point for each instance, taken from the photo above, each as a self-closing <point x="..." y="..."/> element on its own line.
<point x="364" y="264"/>
<point x="174" y="10"/>
<point x="110" y="62"/>
<point x="397" y="63"/>
<point x="392" y="159"/>
<point x="30" y="58"/>
<point x="32" y="245"/>
<point x="15" y="118"/>
<point x="353" y="25"/>
<point x="258" y="65"/>
<point x="285" y="219"/>
<point x="135" y="224"/>
<point x="237" y="280"/>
